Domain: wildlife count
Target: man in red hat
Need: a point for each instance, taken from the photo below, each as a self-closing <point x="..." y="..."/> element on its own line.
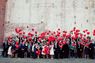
<point x="91" y="48"/>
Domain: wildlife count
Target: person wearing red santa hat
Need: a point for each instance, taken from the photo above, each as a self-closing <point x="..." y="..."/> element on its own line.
<point x="43" y="50"/>
<point x="17" y="49"/>
<point x="34" y="50"/>
<point x="52" y="50"/>
<point x="10" y="51"/>
<point x="35" y="38"/>
<point x="79" y="47"/>
<point x="61" y="52"/>
<point x="5" y="48"/>
<point x="65" y="49"/>
<point x="48" y="43"/>
<point x="38" y="51"/>
<point x="56" y="49"/>
<point x="91" y="48"/>
<point x="86" y="47"/>
<point x="72" y="47"/>
<point x="47" y="50"/>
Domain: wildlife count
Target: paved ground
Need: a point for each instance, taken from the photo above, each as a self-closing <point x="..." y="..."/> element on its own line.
<point x="29" y="60"/>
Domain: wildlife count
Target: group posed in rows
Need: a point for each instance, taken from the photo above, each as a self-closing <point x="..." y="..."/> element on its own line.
<point x="50" y="44"/>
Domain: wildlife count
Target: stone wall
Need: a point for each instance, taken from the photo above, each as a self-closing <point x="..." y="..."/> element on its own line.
<point x="64" y="14"/>
<point x="2" y="19"/>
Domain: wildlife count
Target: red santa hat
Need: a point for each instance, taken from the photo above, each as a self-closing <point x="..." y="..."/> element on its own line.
<point x="81" y="35"/>
<point x="17" y="30"/>
<point x="24" y="36"/>
<point x="73" y="37"/>
<point x="21" y="32"/>
<point x="64" y="34"/>
<point x="77" y="30"/>
<point x="94" y="32"/>
<point x="51" y="38"/>
<point x="42" y="35"/>
<point x="9" y="37"/>
<point x="68" y="35"/>
<point x="30" y="34"/>
<point x="60" y="38"/>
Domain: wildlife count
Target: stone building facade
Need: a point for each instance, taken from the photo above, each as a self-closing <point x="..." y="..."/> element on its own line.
<point x="46" y="15"/>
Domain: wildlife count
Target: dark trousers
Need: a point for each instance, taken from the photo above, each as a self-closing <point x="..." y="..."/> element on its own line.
<point x="34" y="55"/>
<point x="4" y="53"/>
<point x="56" y="54"/>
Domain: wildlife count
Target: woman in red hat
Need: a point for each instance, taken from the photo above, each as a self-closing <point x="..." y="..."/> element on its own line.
<point x="52" y="50"/>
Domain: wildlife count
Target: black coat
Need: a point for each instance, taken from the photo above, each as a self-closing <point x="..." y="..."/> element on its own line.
<point x="65" y="50"/>
<point x="91" y="52"/>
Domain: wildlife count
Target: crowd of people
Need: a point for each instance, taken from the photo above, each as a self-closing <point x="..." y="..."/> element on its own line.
<point x="50" y="44"/>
